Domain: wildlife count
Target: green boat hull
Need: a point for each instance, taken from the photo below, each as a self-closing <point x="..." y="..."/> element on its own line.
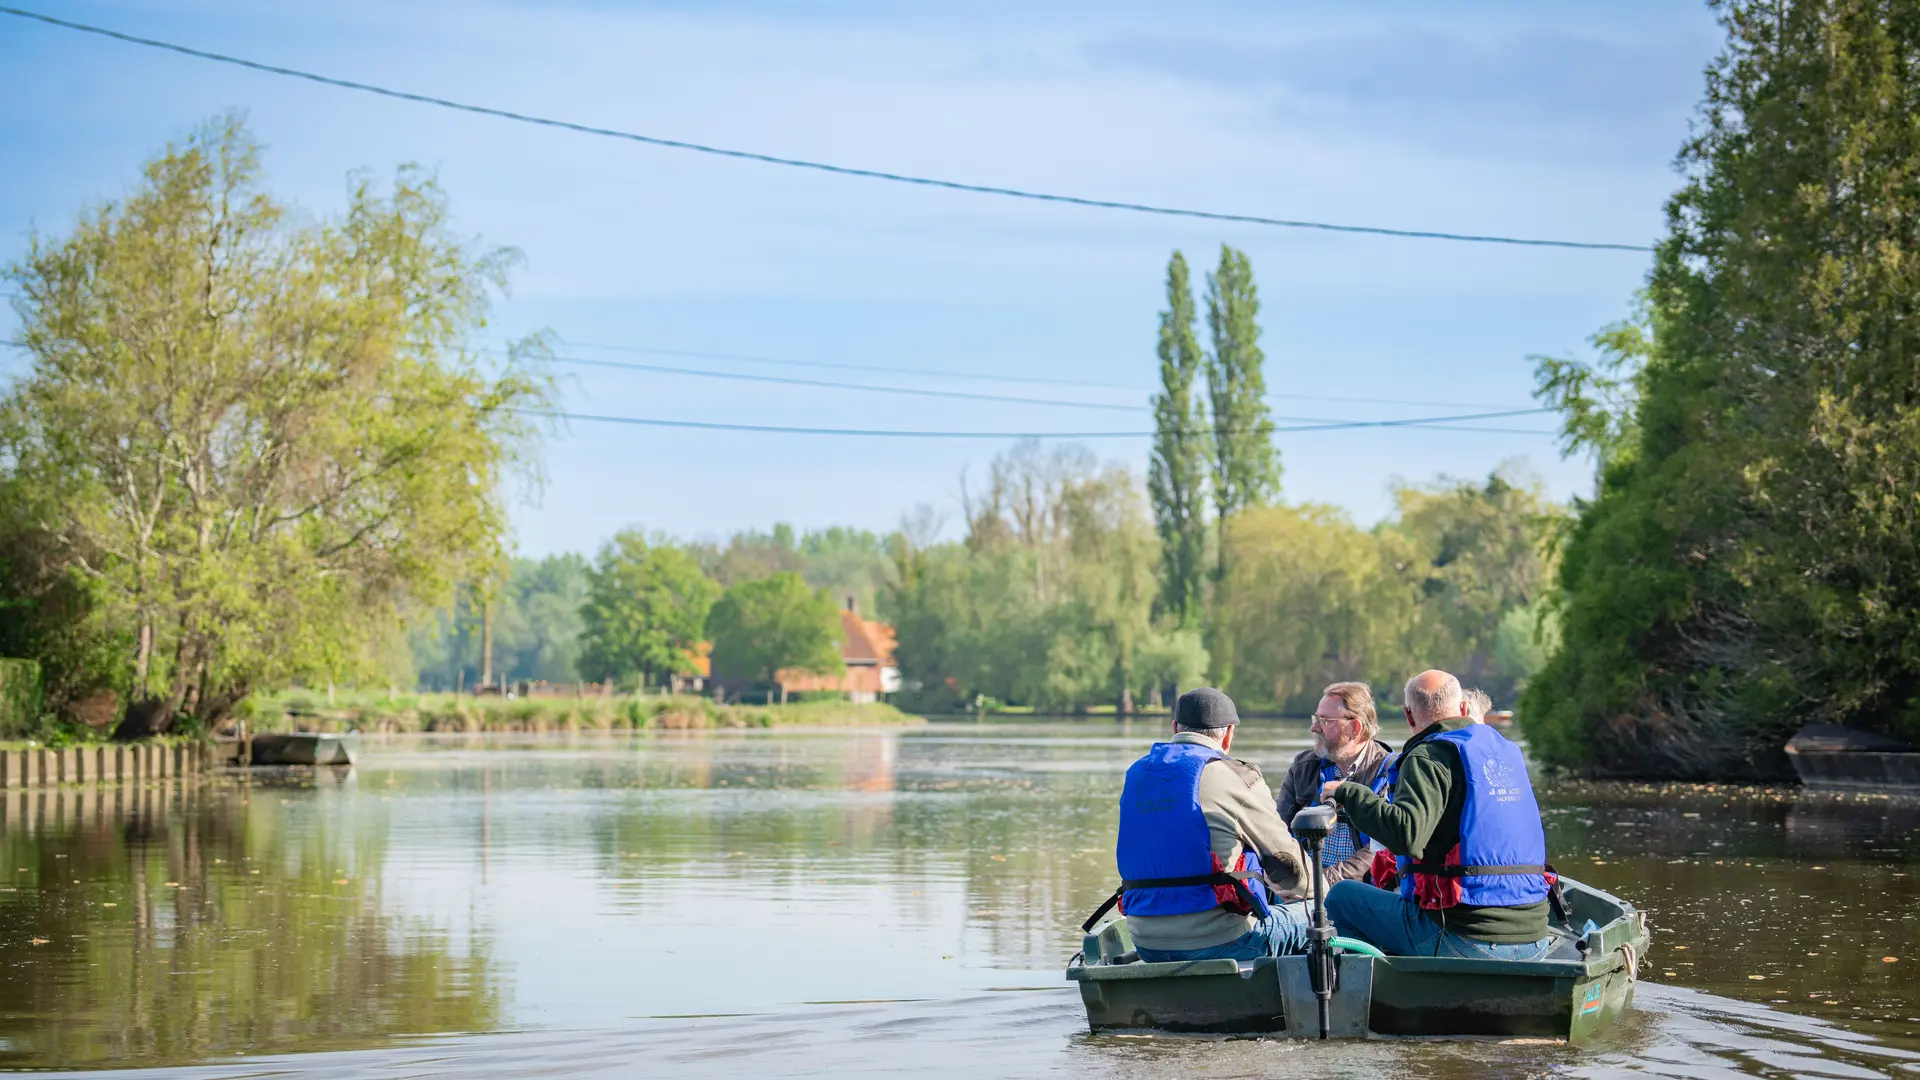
<point x="1572" y="994"/>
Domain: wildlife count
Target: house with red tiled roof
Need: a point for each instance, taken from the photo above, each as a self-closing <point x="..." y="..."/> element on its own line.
<point x="867" y="649"/>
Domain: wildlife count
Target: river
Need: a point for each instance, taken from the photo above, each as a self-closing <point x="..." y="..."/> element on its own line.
<point x="786" y="903"/>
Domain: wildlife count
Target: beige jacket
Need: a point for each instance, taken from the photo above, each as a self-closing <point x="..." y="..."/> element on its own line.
<point x="1240" y="814"/>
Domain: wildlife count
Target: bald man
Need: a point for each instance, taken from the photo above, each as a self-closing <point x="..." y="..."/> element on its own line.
<point x="1460" y="816"/>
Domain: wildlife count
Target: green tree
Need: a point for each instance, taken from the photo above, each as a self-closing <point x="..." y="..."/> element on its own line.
<point x="257" y="443"/>
<point x="1049" y="600"/>
<point x="752" y="554"/>
<point x="646" y="607"/>
<point x="761" y="626"/>
<point x="1754" y="563"/>
<point x="1482" y="553"/>
<point x="1246" y="465"/>
<point x="1177" y="469"/>
<point x="536" y="627"/>
<point x="1310" y="598"/>
<point x="1599" y="401"/>
<point x="1113" y="558"/>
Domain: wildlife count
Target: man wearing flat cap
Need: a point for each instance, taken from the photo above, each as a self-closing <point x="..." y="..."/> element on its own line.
<point x="1200" y="843"/>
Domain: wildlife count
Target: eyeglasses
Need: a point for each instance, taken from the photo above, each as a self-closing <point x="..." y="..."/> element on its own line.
<point x="1323" y="721"/>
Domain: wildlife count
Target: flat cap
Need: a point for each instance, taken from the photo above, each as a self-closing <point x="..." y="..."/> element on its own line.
<point x="1205" y="708"/>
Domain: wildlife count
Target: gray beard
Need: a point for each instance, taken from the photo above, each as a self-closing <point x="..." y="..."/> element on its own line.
<point x="1345" y="760"/>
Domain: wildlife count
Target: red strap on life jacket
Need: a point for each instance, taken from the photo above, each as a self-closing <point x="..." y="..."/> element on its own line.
<point x="1436" y="892"/>
<point x="1228" y="895"/>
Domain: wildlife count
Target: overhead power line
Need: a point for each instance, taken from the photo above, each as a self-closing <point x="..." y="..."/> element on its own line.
<point x="739" y="376"/>
<point x="646" y="350"/>
<point x="961" y="395"/>
<point x="817" y="166"/>
<point x="649" y="350"/>
<point x="1438" y="423"/>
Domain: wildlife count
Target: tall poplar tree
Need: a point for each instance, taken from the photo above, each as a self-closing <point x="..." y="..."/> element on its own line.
<point x="1246" y="466"/>
<point x="1177" y="470"/>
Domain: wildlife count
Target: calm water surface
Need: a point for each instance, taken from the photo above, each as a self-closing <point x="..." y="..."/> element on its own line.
<point x="803" y="903"/>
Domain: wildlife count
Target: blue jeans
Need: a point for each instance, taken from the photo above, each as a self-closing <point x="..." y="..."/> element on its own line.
<point x="1398" y="928"/>
<point x="1284" y="932"/>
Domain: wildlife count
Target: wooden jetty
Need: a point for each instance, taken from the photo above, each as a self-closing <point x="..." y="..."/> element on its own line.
<point x="40" y="766"/>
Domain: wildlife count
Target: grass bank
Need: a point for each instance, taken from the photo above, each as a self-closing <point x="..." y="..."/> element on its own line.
<point x="305" y="710"/>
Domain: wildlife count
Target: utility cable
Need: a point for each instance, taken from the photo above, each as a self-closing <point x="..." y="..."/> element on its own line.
<point x="1137" y="388"/>
<point x="800" y="163"/>
<point x="948" y="394"/>
<point x="661" y="369"/>
<point x="708" y="425"/>
<point x="961" y="395"/>
<point x="838" y="366"/>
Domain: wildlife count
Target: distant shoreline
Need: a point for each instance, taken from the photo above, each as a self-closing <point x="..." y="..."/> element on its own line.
<point x="457" y="713"/>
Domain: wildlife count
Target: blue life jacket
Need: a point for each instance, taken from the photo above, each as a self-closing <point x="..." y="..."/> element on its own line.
<point x="1164" y="836"/>
<point x="1501" y="858"/>
<point x="1330" y="772"/>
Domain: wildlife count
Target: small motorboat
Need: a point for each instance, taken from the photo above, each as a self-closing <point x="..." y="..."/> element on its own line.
<point x="1583" y="985"/>
<point x="305" y="748"/>
<point x="1348" y="989"/>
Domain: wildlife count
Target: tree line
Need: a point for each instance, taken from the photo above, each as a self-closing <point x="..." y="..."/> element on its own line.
<point x="1751" y="559"/>
<point x="255" y="448"/>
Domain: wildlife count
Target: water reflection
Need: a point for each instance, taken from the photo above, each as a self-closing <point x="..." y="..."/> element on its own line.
<point x="799" y="901"/>
<point x="177" y="922"/>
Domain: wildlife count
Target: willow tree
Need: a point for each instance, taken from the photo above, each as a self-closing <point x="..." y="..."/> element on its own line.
<point x="1752" y="561"/>
<point x="256" y="442"/>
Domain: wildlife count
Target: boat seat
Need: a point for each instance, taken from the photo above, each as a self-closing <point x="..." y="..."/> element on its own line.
<point x="1566" y="945"/>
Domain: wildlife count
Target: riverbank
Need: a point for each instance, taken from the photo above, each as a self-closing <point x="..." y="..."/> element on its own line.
<point x="300" y="710"/>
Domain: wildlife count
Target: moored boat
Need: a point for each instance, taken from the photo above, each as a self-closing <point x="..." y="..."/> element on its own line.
<point x="305" y="748"/>
<point x="1584" y="984"/>
<point x="1843" y="758"/>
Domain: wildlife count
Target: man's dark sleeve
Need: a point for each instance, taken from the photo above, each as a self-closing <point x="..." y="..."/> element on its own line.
<point x="1406" y="824"/>
<point x="1289" y="800"/>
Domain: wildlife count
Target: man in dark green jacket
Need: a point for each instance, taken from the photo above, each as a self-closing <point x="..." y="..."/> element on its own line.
<point x="1419" y="819"/>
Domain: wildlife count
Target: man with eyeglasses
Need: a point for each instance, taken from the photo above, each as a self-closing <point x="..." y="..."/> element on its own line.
<point x="1346" y="746"/>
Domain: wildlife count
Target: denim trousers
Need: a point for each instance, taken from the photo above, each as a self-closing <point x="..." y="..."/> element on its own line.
<point x="1398" y="928"/>
<point x="1284" y="932"/>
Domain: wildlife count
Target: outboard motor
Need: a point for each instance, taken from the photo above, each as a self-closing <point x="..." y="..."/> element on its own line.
<point x="1310" y="827"/>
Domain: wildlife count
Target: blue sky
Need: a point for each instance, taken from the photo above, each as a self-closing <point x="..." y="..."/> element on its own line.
<point x="1520" y="119"/>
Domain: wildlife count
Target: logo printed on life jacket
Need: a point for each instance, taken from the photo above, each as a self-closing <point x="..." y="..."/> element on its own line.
<point x="1500" y="779"/>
